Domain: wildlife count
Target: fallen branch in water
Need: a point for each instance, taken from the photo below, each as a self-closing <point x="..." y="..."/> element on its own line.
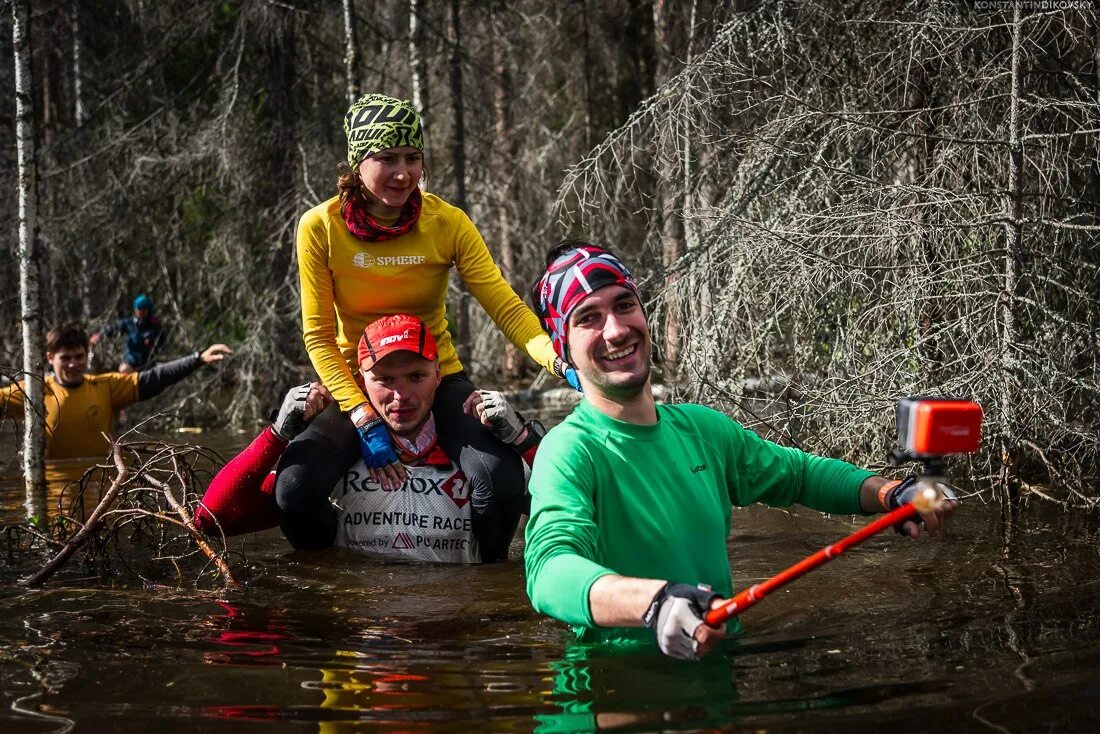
<point x="197" y="535"/>
<point x="93" y="520"/>
<point x="142" y="521"/>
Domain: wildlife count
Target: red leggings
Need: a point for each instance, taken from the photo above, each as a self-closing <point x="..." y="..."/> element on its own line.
<point x="241" y="497"/>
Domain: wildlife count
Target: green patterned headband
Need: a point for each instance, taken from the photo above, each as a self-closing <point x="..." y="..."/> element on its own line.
<point x="376" y="122"/>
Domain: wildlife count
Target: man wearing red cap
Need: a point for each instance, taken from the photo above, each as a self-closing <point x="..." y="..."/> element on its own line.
<point x="427" y="516"/>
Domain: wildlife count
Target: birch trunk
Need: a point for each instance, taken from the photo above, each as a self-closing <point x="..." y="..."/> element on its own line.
<point x="669" y="192"/>
<point x="351" y="53"/>
<point x="587" y="67"/>
<point x="418" y="62"/>
<point x="1014" y="238"/>
<point x="34" y="433"/>
<point x="508" y="154"/>
<point x="80" y="116"/>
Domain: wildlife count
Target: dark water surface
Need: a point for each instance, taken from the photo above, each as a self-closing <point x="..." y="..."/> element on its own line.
<point x="961" y="634"/>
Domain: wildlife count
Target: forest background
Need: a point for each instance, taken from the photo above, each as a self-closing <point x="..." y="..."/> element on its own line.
<point x="830" y="205"/>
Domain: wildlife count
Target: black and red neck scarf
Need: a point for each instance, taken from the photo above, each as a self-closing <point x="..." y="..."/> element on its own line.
<point x="367" y="228"/>
<point x="423" y="449"/>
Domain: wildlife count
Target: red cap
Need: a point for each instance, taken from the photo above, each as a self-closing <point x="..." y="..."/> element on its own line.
<point x="395" y="333"/>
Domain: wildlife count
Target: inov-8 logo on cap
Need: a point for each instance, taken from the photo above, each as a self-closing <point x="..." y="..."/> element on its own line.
<point x="388" y="334"/>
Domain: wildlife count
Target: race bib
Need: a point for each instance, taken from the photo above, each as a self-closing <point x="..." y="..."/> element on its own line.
<point x="427" y="518"/>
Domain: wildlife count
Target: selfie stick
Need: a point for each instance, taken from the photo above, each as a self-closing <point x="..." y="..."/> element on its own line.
<point x="926" y="501"/>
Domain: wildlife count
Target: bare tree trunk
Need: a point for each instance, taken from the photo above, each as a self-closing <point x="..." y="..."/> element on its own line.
<point x="922" y="151"/>
<point x="80" y="116"/>
<point x="49" y="258"/>
<point x="587" y="67"/>
<point x="418" y="62"/>
<point x="462" y="315"/>
<point x="1013" y="235"/>
<point x="351" y="52"/>
<point x="457" y="110"/>
<point x="34" y="410"/>
<point x="685" y="160"/>
<point x="80" y="111"/>
<point x="670" y="197"/>
<point x="508" y="154"/>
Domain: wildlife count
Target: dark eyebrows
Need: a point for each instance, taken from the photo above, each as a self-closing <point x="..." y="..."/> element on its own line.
<point x="586" y="307"/>
<point x="580" y="311"/>
<point x="625" y="296"/>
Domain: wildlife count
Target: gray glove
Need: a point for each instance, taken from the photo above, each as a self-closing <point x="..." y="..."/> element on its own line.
<point x="675" y="613"/>
<point x="290" y="420"/>
<point x="502" y="419"/>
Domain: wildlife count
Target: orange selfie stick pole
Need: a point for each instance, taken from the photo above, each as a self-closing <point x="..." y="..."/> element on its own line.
<point x="926" y="501"/>
<point x="928" y="430"/>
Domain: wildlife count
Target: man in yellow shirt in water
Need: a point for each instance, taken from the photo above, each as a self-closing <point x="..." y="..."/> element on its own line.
<point x="80" y="408"/>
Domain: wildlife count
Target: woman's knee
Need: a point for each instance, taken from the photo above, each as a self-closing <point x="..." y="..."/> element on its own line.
<point x="493" y="476"/>
<point x="312" y="465"/>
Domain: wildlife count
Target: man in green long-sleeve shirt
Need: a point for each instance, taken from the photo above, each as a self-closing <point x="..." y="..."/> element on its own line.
<point x="631" y="500"/>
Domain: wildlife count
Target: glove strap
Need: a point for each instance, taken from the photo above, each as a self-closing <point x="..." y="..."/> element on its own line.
<point x="363" y="414"/>
<point x="890" y="498"/>
<point x="535" y="432"/>
<point x="649" y="619"/>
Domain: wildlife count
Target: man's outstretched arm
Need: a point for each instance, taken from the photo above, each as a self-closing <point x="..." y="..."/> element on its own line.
<point x="153" y="381"/>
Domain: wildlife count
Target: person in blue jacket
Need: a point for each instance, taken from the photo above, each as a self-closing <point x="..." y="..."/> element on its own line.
<point x="143" y="332"/>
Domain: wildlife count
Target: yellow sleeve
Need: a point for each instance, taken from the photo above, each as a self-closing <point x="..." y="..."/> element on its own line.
<point x="123" y="388"/>
<point x="319" y="312"/>
<point x="11" y="400"/>
<point x="482" y="276"/>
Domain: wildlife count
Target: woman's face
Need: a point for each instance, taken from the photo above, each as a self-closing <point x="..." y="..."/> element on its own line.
<point x="390" y="176"/>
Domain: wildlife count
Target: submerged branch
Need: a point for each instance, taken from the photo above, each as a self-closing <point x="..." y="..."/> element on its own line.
<point x="93" y="520"/>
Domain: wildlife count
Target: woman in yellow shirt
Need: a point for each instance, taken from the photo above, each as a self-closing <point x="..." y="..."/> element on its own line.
<point x="382" y="247"/>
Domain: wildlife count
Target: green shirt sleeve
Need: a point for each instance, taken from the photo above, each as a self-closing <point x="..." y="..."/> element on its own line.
<point x="779" y="476"/>
<point x="561" y="535"/>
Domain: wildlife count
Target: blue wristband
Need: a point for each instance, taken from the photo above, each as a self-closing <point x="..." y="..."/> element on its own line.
<point x="376" y="444"/>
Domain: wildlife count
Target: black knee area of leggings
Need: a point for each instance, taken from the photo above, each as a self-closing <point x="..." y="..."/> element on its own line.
<point x="309" y="531"/>
<point x="313" y="463"/>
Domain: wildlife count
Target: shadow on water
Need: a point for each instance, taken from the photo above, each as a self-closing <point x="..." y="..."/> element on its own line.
<point x="963" y="634"/>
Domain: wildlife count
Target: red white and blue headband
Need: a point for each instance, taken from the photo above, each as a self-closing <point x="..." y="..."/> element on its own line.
<point x="572" y="277"/>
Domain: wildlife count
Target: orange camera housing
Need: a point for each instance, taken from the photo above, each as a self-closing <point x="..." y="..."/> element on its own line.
<point x="930" y="427"/>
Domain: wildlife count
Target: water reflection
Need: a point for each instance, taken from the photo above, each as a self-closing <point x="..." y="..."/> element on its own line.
<point x="16" y="504"/>
<point x="245" y="638"/>
<point x="966" y="634"/>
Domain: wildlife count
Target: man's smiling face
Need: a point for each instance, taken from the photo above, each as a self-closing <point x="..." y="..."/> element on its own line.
<point x="609" y="342"/>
